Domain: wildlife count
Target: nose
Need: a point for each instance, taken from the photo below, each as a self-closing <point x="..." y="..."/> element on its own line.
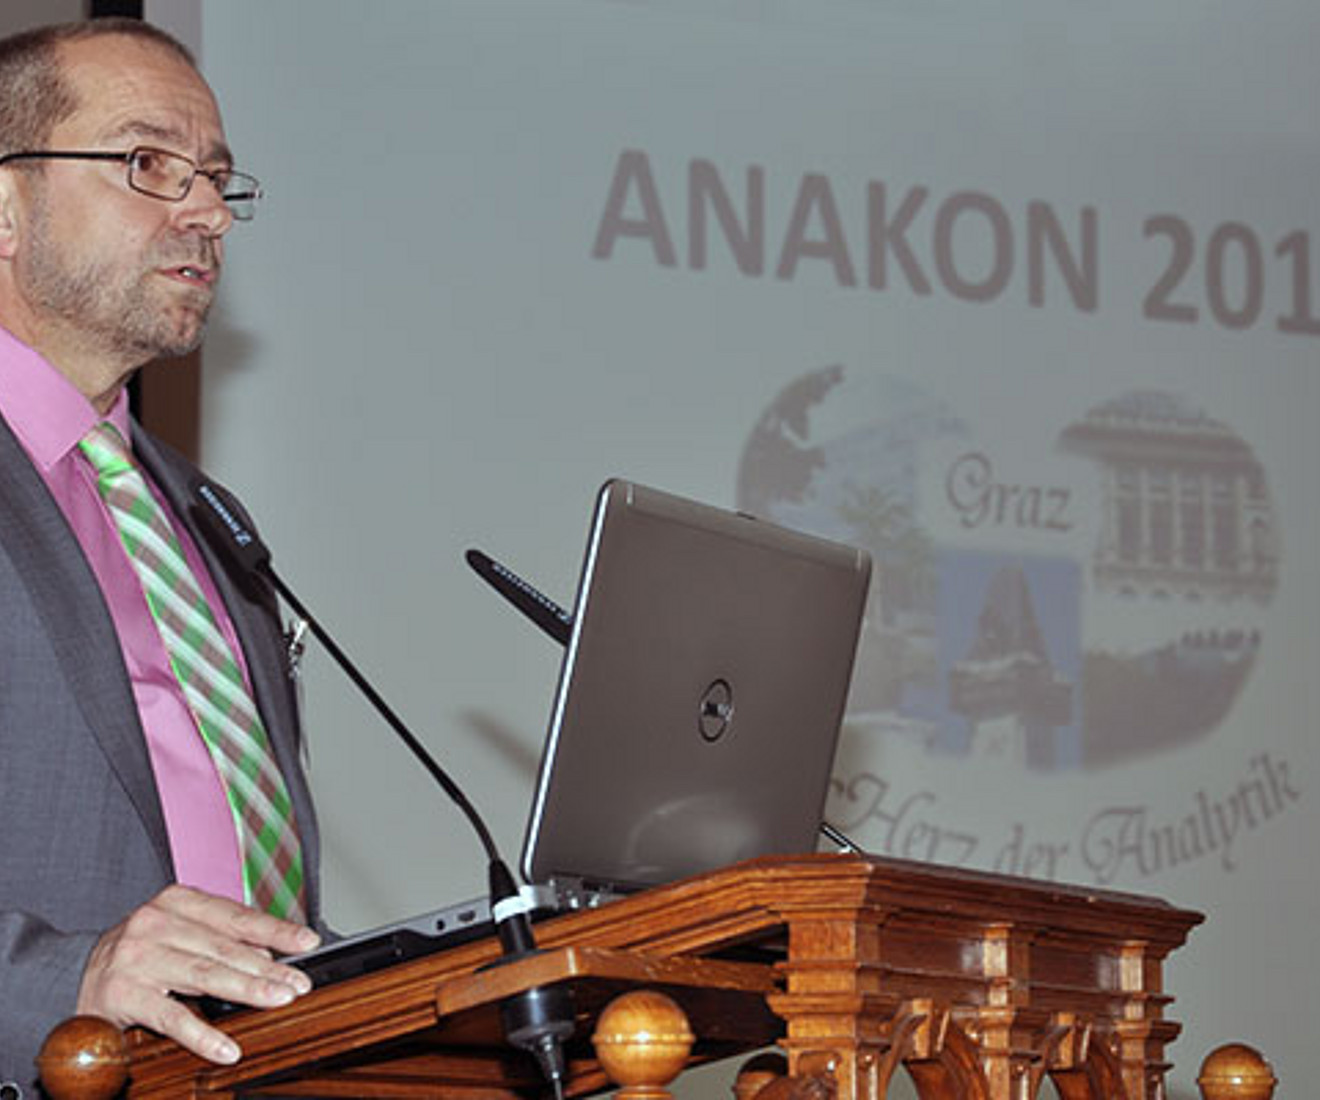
<point x="202" y="208"/>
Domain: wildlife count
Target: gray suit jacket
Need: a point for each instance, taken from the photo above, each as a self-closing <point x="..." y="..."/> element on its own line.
<point x="82" y="834"/>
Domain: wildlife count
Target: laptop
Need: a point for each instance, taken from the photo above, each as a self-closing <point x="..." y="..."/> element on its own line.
<point x="694" y="725"/>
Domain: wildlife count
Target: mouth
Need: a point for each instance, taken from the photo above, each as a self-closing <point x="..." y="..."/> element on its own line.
<point x="196" y="275"/>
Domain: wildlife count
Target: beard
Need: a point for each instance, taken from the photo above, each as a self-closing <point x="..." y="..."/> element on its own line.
<point x="125" y="310"/>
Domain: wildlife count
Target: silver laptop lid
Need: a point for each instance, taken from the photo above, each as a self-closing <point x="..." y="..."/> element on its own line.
<point x="700" y="697"/>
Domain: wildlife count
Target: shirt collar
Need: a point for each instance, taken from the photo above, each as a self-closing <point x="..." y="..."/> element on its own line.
<point x="46" y="411"/>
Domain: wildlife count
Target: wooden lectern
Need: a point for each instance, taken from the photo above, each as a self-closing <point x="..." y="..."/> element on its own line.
<point x="979" y="985"/>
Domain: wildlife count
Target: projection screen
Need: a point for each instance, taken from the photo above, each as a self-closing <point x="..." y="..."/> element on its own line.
<point x="1019" y="297"/>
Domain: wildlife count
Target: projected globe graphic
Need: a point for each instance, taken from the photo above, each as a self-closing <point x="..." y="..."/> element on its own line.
<point x="1137" y="643"/>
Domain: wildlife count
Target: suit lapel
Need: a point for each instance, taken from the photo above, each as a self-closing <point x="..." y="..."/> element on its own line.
<point x="46" y="555"/>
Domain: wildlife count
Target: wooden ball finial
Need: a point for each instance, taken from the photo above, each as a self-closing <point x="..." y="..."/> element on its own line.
<point x="85" y="1058"/>
<point x="642" y="1040"/>
<point x="757" y="1072"/>
<point x="1236" y="1072"/>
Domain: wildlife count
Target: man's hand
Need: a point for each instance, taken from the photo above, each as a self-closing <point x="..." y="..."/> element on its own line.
<point x="189" y="942"/>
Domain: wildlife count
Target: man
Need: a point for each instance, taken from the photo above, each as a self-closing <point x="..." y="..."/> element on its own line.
<point x="148" y="834"/>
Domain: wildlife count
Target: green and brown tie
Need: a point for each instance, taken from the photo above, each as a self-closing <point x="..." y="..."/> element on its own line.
<point x="212" y="682"/>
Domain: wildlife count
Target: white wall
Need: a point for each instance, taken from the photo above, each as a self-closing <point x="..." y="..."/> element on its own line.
<point x="18" y="15"/>
<point x="443" y="332"/>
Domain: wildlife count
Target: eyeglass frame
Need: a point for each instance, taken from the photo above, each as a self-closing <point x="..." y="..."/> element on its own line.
<point x="221" y="178"/>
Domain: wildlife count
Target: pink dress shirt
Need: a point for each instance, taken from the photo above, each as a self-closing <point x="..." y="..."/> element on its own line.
<point x="49" y="416"/>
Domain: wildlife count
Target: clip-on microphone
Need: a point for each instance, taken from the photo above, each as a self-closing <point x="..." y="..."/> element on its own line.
<point x="537" y="1020"/>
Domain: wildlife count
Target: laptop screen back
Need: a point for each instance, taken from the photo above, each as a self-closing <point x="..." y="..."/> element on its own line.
<point x="700" y="697"/>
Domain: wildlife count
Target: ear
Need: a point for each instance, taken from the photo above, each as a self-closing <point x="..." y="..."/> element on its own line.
<point x="10" y="220"/>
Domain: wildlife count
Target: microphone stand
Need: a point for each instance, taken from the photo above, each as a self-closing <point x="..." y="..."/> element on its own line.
<point x="537" y="1020"/>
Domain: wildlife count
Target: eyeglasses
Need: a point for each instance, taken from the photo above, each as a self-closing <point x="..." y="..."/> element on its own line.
<point x="165" y="175"/>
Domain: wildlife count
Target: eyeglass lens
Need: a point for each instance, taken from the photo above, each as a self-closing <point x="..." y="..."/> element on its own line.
<point x="170" y="176"/>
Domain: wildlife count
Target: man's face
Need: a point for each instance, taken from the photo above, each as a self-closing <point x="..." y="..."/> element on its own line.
<point x="102" y="267"/>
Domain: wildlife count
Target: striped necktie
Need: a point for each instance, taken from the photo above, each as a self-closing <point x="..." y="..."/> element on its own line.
<point x="212" y="681"/>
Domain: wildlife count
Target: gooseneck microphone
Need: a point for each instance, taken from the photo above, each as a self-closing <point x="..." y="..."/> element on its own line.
<point x="541" y="609"/>
<point x="538" y="1020"/>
